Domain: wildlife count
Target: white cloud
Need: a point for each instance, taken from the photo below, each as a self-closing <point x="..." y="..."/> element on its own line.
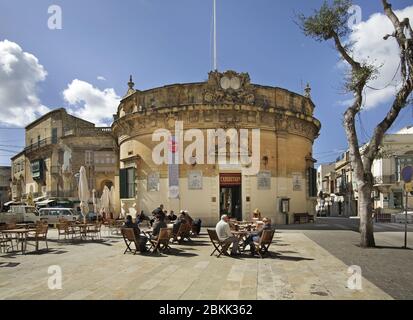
<point x="90" y="103"/>
<point x="369" y="45"/>
<point x="101" y="78"/>
<point x="20" y="74"/>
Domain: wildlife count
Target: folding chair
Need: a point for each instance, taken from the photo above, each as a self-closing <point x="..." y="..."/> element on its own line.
<point x="161" y="244"/>
<point x="129" y="238"/>
<point x="39" y="235"/>
<point x="184" y="232"/>
<point x="219" y="246"/>
<point x="264" y="243"/>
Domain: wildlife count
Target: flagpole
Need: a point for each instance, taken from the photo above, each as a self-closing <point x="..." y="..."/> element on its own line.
<point x="215" y="36"/>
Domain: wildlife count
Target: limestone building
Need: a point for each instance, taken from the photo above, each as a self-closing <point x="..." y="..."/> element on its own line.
<point x="285" y="182"/>
<point x="57" y="145"/>
<point x="5" y="177"/>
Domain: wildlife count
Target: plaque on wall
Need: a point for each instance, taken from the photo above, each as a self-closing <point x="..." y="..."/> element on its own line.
<point x="297" y="182"/>
<point x="264" y="180"/>
<point x="195" y="180"/>
<point x="153" y="181"/>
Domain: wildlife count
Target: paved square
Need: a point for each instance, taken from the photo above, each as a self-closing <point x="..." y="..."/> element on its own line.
<point x="298" y="268"/>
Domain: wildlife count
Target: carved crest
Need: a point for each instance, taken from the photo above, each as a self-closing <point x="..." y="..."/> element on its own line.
<point x="229" y="88"/>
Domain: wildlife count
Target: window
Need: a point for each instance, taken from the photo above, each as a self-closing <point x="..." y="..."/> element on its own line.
<point x="312" y="182"/>
<point x="54" y="135"/>
<point x="127" y="183"/>
<point x="398" y="200"/>
<point x="89" y="158"/>
<point x="401" y="163"/>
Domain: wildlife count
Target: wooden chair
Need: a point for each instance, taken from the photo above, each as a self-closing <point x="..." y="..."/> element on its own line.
<point x="183" y="233"/>
<point x="5" y="241"/>
<point x="94" y="231"/>
<point x="62" y="230"/>
<point x="219" y="246"/>
<point x="129" y="237"/>
<point x="161" y="244"/>
<point x="11" y="225"/>
<point x="39" y="235"/>
<point x="264" y="243"/>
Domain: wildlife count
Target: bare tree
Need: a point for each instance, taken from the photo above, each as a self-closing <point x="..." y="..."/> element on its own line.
<point x="330" y="22"/>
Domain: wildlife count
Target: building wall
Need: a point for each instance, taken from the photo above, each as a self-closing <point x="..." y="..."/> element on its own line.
<point x="5" y="176"/>
<point x="63" y="157"/>
<point x="287" y="134"/>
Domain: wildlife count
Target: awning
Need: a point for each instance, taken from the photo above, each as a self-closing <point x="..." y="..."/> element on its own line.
<point x="44" y="202"/>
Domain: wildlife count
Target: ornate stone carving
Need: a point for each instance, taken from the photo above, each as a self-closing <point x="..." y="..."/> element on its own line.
<point x="229" y="88"/>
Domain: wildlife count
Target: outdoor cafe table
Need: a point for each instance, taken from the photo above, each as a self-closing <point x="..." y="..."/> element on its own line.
<point x="82" y="227"/>
<point x="21" y="235"/>
<point x="241" y="235"/>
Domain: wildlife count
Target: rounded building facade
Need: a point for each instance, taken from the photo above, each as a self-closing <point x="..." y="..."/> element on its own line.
<point x="279" y="132"/>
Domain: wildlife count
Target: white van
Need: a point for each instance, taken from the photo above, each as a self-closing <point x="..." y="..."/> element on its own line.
<point x="20" y="214"/>
<point x="53" y="215"/>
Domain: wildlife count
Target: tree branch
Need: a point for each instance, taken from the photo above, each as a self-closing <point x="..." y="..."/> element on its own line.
<point x="407" y="88"/>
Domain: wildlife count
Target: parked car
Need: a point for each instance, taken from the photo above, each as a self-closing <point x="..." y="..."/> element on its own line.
<point x="20" y="214"/>
<point x="53" y="215"/>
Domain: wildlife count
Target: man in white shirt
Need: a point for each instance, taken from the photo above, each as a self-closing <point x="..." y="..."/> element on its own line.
<point x="225" y="235"/>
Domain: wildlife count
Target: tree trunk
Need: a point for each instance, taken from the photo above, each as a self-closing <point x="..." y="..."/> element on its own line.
<point x="366" y="216"/>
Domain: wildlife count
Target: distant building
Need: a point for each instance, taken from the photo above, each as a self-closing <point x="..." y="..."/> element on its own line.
<point x="57" y="145"/>
<point x="338" y="194"/>
<point x="5" y="193"/>
<point x="395" y="154"/>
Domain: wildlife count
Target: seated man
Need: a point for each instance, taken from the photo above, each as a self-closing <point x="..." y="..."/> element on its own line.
<point x="172" y="216"/>
<point x="142" y="239"/>
<point x="255" y="236"/>
<point x="224" y="234"/>
<point x="158" y="225"/>
<point x="180" y="220"/>
<point x="195" y="224"/>
<point x="141" y="218"/>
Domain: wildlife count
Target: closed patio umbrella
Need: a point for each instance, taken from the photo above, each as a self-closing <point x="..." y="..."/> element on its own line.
<point x="84" y="193"/>
<point x="112" y="202"/>
<point x="105" y="201"/>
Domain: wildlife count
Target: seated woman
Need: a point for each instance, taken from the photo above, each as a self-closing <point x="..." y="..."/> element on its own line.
<point x="255" y="236"/>
<point x="256" y="215"/>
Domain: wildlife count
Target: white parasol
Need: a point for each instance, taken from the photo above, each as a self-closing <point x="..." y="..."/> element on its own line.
<point x="105" y="201"/>
<point x="84" y="193"/>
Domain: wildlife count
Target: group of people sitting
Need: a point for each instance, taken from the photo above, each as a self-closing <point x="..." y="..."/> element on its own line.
<point x="160" y="219"/>
<point x="225" y="235"/>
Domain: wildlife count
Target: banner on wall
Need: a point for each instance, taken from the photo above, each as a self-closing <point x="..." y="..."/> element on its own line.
<point x="173" y="169"/>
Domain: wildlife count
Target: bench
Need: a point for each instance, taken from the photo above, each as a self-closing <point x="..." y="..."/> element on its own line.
<point x="383" y="217"/>
<point x="303" y="218"/>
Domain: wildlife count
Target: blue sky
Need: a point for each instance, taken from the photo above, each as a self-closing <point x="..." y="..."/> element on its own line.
<point x="169" y="41"/>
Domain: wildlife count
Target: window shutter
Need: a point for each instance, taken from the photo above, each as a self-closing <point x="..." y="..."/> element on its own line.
<point x="123" y="181"/>
<point x="312" y="182"/>
<point x="132" y="177"/>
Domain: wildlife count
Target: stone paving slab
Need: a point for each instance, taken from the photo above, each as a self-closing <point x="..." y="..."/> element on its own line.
<point x="298" y="268"/>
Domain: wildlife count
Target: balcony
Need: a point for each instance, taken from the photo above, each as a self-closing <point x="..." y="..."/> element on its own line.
<point x="87" y="131"/>
<point x="385" y="180"/>
<point x="39" y="145"/>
